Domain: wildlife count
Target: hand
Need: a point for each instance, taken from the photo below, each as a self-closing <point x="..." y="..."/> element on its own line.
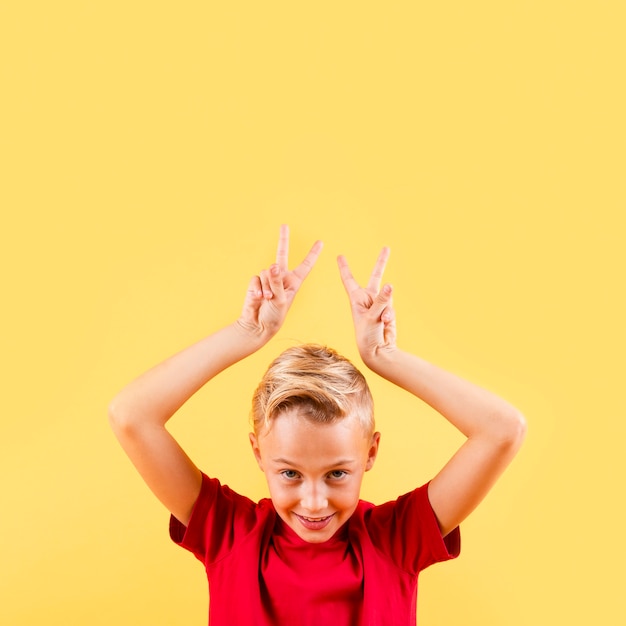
<point x="372" y="310"/>
<point x="271" y="293"/>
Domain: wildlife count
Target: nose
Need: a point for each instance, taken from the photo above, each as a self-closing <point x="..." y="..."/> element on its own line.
<point x="314" y="498"/>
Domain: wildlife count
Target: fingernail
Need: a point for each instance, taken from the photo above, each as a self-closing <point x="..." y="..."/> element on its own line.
<point x="274" y="270"/>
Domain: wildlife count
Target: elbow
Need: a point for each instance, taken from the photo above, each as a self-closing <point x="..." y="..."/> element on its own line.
<point x="119" y="417"/>
<point x="504" y="429"/>
<point x="513" y="429"/>
<point x="114" y="412"/>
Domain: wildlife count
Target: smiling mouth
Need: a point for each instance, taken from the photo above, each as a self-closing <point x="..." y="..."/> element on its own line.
<point x="314" y="523"/>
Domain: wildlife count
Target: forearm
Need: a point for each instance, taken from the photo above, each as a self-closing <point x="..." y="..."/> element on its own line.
<point x="156" y="395"/>
<point x="474" y="411"/>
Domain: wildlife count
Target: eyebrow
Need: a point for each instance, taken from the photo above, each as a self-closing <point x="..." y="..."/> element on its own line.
<point x="337" y="463"/>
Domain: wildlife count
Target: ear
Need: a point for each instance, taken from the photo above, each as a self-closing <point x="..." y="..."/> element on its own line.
<point x="372" y="452"/>
<point x="256" y="450"/>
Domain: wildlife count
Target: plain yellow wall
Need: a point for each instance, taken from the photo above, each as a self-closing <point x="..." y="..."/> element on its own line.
<point x="149" y="153"/>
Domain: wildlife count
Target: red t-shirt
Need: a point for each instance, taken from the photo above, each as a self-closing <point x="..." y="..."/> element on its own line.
<point x="261" y="573"/>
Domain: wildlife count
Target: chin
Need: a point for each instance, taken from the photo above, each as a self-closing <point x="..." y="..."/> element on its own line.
<point x="315" y="537"/>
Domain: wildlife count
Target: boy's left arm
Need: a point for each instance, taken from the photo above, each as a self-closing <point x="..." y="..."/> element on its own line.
<point x="494" y="429"/>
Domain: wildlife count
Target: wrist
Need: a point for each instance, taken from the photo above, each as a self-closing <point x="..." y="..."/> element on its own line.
<point x="252" y="335"/>
<point x="380" y="358"/>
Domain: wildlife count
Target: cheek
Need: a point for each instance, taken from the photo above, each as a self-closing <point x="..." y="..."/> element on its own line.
<point x="348" y="496"/>
<point x="281" y="494"/>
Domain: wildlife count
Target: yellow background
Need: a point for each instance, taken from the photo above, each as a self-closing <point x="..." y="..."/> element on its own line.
<point x="149" y="153"/>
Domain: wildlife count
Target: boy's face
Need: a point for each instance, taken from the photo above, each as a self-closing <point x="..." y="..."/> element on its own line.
<point x="314" y="471"/>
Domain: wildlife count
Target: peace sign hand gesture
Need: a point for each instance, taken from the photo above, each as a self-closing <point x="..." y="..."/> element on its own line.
<point x="372" y="310"/>
<point x="271" y="293"/>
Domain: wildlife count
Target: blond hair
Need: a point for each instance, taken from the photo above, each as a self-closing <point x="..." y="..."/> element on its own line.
<point x="323" y="385"/>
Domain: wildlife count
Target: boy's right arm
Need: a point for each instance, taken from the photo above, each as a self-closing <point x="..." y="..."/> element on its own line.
<point x="139" y="413"/>
<point x="494" y="429"/>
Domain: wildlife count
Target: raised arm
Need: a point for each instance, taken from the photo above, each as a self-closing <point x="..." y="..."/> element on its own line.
<point x="494" y="429"/>
<point x="138" y="414"/>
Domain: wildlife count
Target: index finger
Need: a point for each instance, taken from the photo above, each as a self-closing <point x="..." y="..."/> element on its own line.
<point x="348" y="280"/>
<point x="302" y="271"/>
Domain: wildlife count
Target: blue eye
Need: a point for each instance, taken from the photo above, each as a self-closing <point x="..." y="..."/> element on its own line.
<point x="290" y="474"/>
<point x="336" y="474"/>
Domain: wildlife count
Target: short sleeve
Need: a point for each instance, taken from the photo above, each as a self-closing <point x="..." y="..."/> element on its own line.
<point x="219" y="517"/>
<point x="406" y="530"/>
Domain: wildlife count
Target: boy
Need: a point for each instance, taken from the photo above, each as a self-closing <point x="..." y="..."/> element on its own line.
<point x="314" y="553"/>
